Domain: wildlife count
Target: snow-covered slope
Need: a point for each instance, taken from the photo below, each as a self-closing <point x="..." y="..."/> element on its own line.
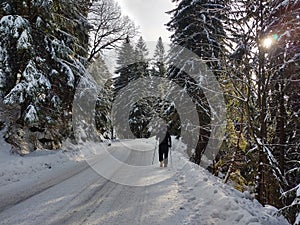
<point x="59" y="188"/>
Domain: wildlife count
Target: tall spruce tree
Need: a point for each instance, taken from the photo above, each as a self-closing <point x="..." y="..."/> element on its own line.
<point x="197" y="26"/>
<point x="125" y="68"/>
<point x="99" y="71"/>
<point x="161" y="107"/>
<point x="142" y="62"/>
<point x="42" y="47"/>
<point x="141" y="112"/>
<point x="160" y="59"/>
<point x="132" y="65"/>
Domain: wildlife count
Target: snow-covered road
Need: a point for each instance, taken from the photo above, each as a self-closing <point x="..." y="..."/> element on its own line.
<point x="79" y="195"/>
<point x="76" y="194"/>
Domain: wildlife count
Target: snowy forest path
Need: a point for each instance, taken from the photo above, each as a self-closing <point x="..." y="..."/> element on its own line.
<point x="79" y="195"/>
<point x="182" y="194"/>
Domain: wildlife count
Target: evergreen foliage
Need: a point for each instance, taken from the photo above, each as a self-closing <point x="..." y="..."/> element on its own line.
<point x="42" y="48"/>
<point x="260" y="82"/>
<point x="133" y="64"/>
<point x="160" y="59"/>
<point x="125" y="69"/>
<point x="196" y="26"/>
<point x="102" y="77"/>
<point x="46" y="45"/>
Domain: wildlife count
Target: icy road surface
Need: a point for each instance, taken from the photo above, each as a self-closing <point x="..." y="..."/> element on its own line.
<point x="75" y="193"/>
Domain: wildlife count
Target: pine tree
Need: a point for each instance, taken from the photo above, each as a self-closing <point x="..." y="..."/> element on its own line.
<point x="160" y="59"/>
<point x="43" y="45"/>
<point x="159" y="69"/>
<point x="125" y="61"/>
<point x="102" y="76"/>
<point x="142" y="64"/>
<point x="146" y="107"/>
<point x="161" y="107"/>
<point x="140" y="114"/>
<point x="132" y="65"/>
<point x="197" y="26"/>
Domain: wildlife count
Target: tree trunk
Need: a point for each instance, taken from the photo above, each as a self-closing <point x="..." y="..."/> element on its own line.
<point x="282" y="129"/>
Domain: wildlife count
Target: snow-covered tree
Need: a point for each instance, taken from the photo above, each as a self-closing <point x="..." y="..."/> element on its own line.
<point x="125" y="68"/>
<point x="259" y="71"/>
<point x="196" y="26"/>
<point x="161" y="107"/>
<point x="141" y="61"/>
<point x="283" y="28"/>
<point x="242" y="61"/>
<point x="139" y="115"/>
<point x="126" y="71"/>
<point x="102" y="77"/>
<point x="133" y="65"/>
<point x="42" y="47"/>
<point x="160" y="59"/>
<point x="259" y="67"/>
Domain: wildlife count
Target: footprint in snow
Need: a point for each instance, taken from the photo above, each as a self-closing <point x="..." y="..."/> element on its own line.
<point x="239" y="217"/>
<point x="191" y="199"/>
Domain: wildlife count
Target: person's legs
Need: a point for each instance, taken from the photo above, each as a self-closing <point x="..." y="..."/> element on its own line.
<point x="165" y="154"/>
<point x="161" y="155"/>
<point x="166" y="162"/>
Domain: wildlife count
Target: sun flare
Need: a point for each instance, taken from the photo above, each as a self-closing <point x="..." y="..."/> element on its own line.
<point x="267" y="42"/>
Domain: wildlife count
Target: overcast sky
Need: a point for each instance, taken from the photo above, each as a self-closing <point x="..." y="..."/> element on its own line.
<point x="150" y="16"/>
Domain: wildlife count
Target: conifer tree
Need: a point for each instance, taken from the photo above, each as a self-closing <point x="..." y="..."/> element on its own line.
<point x="42" y="47"/>
<point x="125" y="61"/>
<point x="99" y="71"/>
<point x="160" y="59"/>
<point x="141" y="53"/>
<point x="140" y="113"/>
<point x="197" y="26"/>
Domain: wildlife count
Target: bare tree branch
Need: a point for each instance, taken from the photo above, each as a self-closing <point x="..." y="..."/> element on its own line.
<point x="108" y="26"/>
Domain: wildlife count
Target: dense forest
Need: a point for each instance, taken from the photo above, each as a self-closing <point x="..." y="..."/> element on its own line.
<point x="47" y="47"/>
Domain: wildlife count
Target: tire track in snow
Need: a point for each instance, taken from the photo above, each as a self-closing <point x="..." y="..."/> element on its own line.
<point x="80" y="209"/>
<point x="15" y="197"/>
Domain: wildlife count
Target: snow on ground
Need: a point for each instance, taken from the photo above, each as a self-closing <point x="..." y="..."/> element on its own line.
<point x="15" y="168"/>
<point x="48" y="187"/>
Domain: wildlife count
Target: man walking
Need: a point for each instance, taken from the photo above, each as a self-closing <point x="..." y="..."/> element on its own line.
<point x="164" y="139"/>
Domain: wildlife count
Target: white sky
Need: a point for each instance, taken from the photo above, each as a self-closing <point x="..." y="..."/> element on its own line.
<point x="150" y="16"/>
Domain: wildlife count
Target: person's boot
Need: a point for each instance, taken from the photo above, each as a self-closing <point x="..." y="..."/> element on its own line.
<point x="161" y="164"/>
<point x="166" y="163"/>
